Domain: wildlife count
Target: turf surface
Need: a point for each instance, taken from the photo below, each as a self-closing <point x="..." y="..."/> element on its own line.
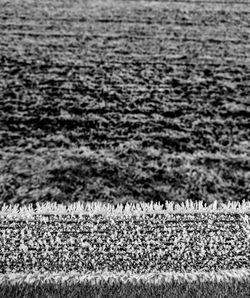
<point x="124" y="101"/>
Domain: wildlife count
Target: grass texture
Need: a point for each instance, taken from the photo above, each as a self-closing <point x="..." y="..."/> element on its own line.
<point x="189" y="250"/>
<point x="234" y="283"/>
<point x="118" y="102"/>
<point x="109" y="210"/>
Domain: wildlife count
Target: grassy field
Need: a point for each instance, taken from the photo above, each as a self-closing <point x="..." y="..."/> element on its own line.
<point x="120" y="102"/>
<point x="125" y="102"/>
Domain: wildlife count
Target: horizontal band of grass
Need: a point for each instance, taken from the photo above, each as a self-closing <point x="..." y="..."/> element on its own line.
<point x="65" y="286"/>
<point x="240" y="275"/>
<point x="97" y="243"/>
<point x="109" y="210"/>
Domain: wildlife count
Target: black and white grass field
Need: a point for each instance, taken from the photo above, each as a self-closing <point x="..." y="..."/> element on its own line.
<point x="97" y="250"/>
<point x="125" y="102"/>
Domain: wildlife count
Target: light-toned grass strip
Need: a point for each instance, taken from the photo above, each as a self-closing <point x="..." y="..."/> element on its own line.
<point x="109" y="210"/>
<point x="246" y="225"/>
<point x="125" y="277"/>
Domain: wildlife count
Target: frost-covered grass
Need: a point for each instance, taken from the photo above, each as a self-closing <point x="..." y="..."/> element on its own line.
<point x="109" y="210"/>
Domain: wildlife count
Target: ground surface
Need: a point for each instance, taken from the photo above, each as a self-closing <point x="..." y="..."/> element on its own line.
<point x="124" y="100"/>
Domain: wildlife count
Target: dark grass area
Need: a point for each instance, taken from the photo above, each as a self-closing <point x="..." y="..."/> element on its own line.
<point x="187" y="290"/>
<point x="120" y="102"/>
